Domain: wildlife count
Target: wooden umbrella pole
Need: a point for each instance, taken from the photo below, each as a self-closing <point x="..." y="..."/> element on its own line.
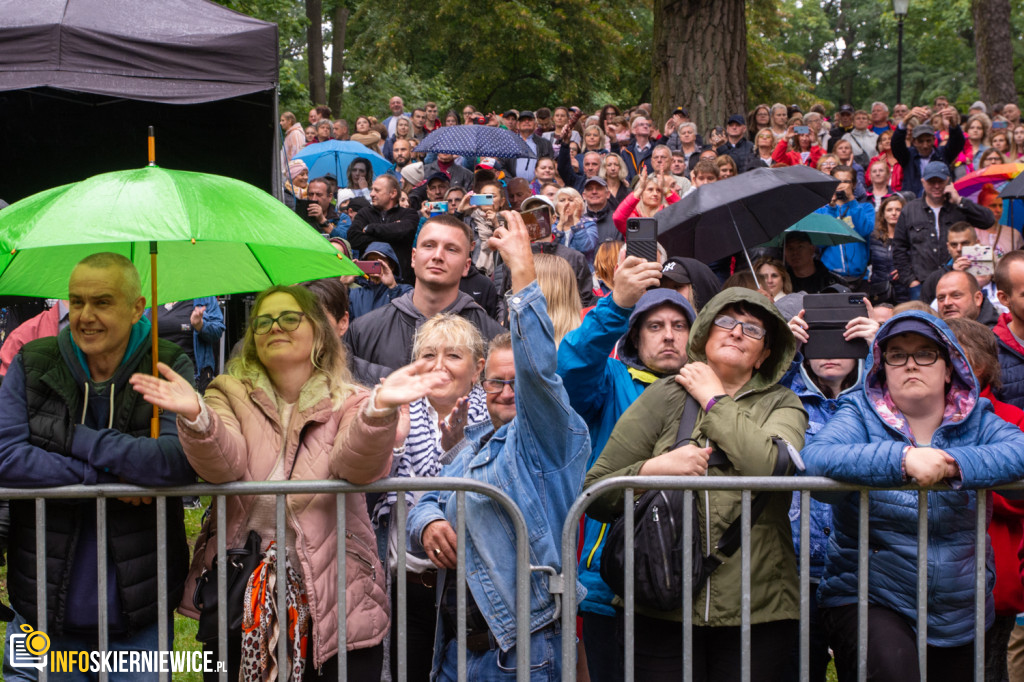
<point x="154" y="424"/>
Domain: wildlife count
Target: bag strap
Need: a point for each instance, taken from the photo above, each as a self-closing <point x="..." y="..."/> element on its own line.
<point x="686" y="423"/>
<point x="731" y="540"/>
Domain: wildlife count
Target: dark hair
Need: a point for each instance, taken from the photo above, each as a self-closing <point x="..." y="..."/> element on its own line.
<point x="705" y="166"/>
<point x="979" y="343"/>
<point x="332" y="295"/>
<point x="741" y="278"/>
<point x="324" y="111"/>
<point x="881" y="232"/>
<point x="757" y="312"/>
<point x="366" y="164"/>
<point x="844" y="169"/>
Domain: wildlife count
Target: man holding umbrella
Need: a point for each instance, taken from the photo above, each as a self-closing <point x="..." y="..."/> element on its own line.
<point x="68" y="416"/>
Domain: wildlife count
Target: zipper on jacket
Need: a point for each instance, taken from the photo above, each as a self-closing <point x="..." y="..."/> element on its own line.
<point x="661" y="541"/>
<point x="366" y="562"/>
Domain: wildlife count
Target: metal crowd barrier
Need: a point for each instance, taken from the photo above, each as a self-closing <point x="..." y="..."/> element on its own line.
<point x="631" y="485"/>
<point x="282" y="489"/>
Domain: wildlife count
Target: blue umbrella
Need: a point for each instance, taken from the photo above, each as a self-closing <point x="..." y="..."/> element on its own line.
<point x="476" y="140"/>
<point x="334" y="156"/>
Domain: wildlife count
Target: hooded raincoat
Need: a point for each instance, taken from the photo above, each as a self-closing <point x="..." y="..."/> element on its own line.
<point x="865" y="443"/>
<point x="742" y="427"/>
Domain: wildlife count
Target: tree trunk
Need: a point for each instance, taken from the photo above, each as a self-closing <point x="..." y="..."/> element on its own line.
<point x="993" y="50"/>
<point x="700" y="59"/>
<point x="315" y="52"/>
<point x="340" y="21"/>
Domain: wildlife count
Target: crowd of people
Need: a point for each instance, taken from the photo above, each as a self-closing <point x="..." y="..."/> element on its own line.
<point x="505" y="333"/>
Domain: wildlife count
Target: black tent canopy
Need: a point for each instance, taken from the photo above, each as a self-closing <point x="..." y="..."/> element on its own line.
<point x="81" y="80"/>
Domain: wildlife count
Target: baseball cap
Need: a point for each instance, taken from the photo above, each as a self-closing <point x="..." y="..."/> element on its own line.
<point x="598" y="179"/>
<point x="681" y="111"/>
<point x="935" y="169"/>
<point x="439" y="175"/>
<point x="536" y="201"/>
<point x="675" y="270"/>
<point x="511" y="113"/>
<point x="846" y="109"/>
<point x="358" y="204"/>
<point x="922" y="130"/>
<point x="737" y="118"/>
<point x="909" y="325"/>
<point x="526" y="114"/>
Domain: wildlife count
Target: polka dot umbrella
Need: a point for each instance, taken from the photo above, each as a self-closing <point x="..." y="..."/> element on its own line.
<point x="476" y="140"/>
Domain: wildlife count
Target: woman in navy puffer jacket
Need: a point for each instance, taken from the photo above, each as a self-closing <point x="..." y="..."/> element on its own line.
<point x="917" y="417"/>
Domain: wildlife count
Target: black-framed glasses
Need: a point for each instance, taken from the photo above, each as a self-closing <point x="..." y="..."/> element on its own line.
<point x="288" y="321"/>
<point x="749" y="329"/>
<point x="922" y="358"/>
<point x="498" y="385"/>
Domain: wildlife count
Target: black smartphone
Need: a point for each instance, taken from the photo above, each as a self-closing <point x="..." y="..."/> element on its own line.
<point x="826" y="316"/>
<point x="642" y="238"/>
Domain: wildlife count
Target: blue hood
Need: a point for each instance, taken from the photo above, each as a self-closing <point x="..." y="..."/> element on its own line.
<point x="961" y="396"/>
<point x="384" y="249"/>
<point x="625" y="348"/>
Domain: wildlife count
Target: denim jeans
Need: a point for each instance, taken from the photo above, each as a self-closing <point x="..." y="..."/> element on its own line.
<point x="144" y="640"/>
<point x="498" y="665"/>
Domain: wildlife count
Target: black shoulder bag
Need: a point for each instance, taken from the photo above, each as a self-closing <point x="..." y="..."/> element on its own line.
<point x="658" y="532"/>
<point x="241" y="562"/>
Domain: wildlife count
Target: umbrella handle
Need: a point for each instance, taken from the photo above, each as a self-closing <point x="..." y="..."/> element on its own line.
<point x="154" y="422"/>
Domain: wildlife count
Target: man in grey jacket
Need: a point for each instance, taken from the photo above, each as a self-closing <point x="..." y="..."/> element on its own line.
<point x="440" y="259"/>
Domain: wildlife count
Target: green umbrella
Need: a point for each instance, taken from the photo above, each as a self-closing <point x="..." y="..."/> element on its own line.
<point x="213" y="236"/>
<point x="188" y="234"/>
<point x="824" y="230"/>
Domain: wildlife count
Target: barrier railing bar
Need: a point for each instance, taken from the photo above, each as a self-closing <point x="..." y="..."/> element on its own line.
<point x="342" y="562"/>
<point x="922" y="583"/>
<point x="460" y="582"/>
<point x="222" y="582"/>
<point x="805" y="586"/>
<point x="630" y="605"/>
<point x="863" y="558"/>
<point x="688" y="584"/>
<point x="402" y="514"/>
<point x="41" y="623"/>
<point x="163" y="617"/>
<point x="980" y="584"/>
<point x="281" y="537"/>
<point x="745" y="586"/>
<point x="103" y="634"/>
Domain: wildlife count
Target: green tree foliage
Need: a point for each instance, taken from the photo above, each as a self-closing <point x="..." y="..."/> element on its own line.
<point x="776" y="69"/>
<point x="497" y="55"/>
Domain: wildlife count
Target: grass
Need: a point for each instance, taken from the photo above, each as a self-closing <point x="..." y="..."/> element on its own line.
<point x="184" y="628"/>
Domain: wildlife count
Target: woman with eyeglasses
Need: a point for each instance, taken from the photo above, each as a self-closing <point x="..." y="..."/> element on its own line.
<point x="739" y="348"/>
<point x="287" y="409"/>
<point x="918" y="418"/>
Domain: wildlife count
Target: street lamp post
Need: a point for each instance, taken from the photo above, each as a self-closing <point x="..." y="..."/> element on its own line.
<point x="900" y="8"/>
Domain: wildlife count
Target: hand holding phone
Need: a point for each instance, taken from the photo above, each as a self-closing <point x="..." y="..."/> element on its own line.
<point x="642" y="238"/>
<point x="370" y="267"/>
<point x="481" y="200"/>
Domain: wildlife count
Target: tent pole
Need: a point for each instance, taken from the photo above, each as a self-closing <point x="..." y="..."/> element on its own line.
<point x="154" y="424"/>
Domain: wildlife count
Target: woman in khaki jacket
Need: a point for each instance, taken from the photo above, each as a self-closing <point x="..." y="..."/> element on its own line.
<point x="287" y="410"/>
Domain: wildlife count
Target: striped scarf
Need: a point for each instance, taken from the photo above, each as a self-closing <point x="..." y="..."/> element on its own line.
<point x="420" y="455"/>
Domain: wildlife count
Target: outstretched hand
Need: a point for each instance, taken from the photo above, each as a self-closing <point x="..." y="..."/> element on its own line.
<point x="410" y="383"/>
<point x="453" y="427"/>
<point x="173" y="393"/>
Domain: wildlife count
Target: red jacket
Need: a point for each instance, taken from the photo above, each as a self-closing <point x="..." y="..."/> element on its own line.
<point x="781" y="155"/>
<point x="1007" y="530"/>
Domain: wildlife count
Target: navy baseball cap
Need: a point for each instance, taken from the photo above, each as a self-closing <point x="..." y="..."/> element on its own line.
<point x="935" y="169"/>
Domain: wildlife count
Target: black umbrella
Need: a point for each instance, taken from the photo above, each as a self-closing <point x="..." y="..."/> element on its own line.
<point x="722" y="218"/>
<point x="1014" y="189"/>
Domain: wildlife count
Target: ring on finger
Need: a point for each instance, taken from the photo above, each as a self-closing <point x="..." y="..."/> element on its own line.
<point x="437" y="551"/>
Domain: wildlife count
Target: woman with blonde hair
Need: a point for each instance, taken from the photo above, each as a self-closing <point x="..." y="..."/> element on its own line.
<point x="594" y="140"/>
<point x="649" y="196"/>
<point x="287" y="409"/>
<point x="612" y="171"/>
<point x="773" y="277"/>
<point x="450" y="344"/>
<point x="558" y="284"/>
<point x="779" y="120"/>
<point x="764" y="145"/>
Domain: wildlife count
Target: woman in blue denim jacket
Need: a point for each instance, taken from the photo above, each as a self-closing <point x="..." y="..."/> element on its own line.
<point x="535" y="452"/>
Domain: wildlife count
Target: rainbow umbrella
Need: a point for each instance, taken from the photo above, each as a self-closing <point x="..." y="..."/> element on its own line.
<point x="969" y="185"/>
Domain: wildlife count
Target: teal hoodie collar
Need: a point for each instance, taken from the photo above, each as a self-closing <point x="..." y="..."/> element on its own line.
<point x="139" y="335"/>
